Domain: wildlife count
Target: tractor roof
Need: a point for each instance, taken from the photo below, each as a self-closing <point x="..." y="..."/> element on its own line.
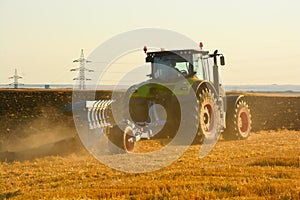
<point x="179" y="52"/>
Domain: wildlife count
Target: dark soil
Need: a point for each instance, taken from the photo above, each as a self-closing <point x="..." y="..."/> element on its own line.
<point x="30" y="119"/>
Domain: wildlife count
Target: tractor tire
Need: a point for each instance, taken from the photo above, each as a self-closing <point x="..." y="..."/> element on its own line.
<point x="118" y="140"/>
<point x="171" y="127"/>
<point x="238" y="125"/>
<point x="209" y="116"/>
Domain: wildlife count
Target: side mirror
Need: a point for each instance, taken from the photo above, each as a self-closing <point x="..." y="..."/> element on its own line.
<point x="222" y="60"/>
<point x="149" y="75"/>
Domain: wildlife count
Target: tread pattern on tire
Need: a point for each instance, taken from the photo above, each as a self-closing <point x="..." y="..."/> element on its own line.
<point x="232" y="131"/>
<point x="206" y="95"/>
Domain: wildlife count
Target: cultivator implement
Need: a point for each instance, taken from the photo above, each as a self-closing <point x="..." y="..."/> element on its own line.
<point x="99" y="116"/>
<point x="98" y="113"/>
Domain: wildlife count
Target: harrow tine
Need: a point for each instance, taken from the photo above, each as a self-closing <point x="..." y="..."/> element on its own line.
<point x="93" y="115"/>
<point x="101" y="107"/>
<point x="90" y="117"/>
<point x="97" y="122"/>
<point x="97" y="113"/>
<point x="104" y="112"/>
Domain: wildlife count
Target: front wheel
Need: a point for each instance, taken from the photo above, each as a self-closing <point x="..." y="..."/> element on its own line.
<point x="239" y="122"/>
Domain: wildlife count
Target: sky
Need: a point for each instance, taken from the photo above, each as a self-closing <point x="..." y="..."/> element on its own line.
<point x="260" y="39"/>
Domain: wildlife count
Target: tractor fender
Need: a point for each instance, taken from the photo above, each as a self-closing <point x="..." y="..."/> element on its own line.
<point x="199" y="85"/>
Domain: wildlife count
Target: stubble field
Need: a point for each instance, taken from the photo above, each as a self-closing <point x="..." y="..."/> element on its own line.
<point x="266" y="166"/>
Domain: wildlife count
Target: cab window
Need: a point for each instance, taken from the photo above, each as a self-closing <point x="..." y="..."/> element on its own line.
<point x="208" y="65"/>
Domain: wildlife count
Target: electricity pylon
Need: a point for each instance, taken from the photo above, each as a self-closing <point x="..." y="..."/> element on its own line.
<point x="16" y="77"/>
<point x="82" y="69"/>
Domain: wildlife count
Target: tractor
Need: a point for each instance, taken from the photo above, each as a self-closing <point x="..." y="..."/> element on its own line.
<point x="152" y="109"/>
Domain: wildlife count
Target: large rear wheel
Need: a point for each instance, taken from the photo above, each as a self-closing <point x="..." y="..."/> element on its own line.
<point x="239" y="122"/>
<point x="209" y="116"/>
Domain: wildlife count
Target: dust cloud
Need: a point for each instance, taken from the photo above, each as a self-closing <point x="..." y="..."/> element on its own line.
<point x="38" y="138"/>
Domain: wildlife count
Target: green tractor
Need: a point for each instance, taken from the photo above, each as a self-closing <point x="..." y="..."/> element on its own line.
<point x="155" y="109"/>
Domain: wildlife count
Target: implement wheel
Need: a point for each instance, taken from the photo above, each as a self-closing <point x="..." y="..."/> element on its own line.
<point x="119" y="141"/>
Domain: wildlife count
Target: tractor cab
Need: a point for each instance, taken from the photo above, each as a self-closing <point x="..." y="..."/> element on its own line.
<point x="190" y="63"/>
<point x="193" y="64"/>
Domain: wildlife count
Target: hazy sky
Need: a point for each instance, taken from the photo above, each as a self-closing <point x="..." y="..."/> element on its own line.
<point x="260" y="38"/>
